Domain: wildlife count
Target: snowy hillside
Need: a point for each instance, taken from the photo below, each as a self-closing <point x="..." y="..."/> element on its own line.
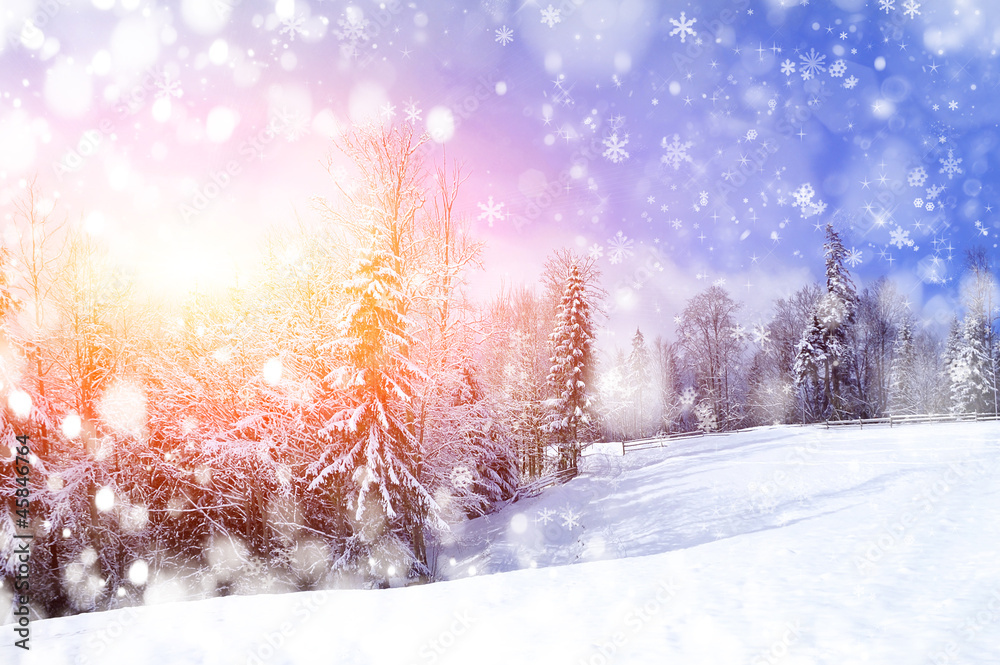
<point x="792" y="545"/>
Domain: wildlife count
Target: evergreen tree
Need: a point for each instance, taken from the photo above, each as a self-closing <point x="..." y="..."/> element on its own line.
<point x="970" y="368"/>
<point x="810" y="363"/>
<point x="824" y="356"/>
<point x="639" y="379"/>
<point x="378" y="454"/>
<point x="572" y="370"/>
<point x="903" y="395"/>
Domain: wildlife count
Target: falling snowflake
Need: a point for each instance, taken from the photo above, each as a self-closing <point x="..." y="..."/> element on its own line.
<point x="950" y="166"/>
<point x="352" y="32"/>
<point x="688" y="396"/>
<point x="838" y="68"/>
<point x="751" y="135"/>
<point x="703" y="198"/>
<point x="412" y="113"/>
<point x="619" y="247"/>
<point x="676" y="152"/>
<point x="683" y="28"/>
<point x="812" y="64"/>
<point x="167" y="88"/>
<point x="933" y="192"/>
<point x="293" y="26"/>
<point x="900" y="238"/>
<point x="761" y="334"/>
<point x="616" y="148"/>
<point x="551" y="16"/>
<point x="917" y="176"/>
<point x="918" y="202"/>
<point x="504" y="36"/>
<point x="293" y="124"/>
<point x="491" y="212"/>
<point x="569" y="518"/>
<point x="706" y="417"/>
<point x="738" y="332"/>
<point x="596" y="251"/>
<point x="911" y="8"/>
<point x="544" y="516"/>
<point x="787" y="67"/>
<point x="850" y="82"/>
<point x="887" y="5"/>
<point x="854" y="257"/>
<point x="803" y="195"/>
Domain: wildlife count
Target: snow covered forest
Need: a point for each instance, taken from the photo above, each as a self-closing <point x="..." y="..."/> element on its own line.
<point x="323" y="424"/>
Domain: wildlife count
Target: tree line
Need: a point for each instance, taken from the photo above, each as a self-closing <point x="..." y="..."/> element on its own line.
<point x="324" y="423"/>
<point x="320" y="425"/>
<point x="828" y="352"/>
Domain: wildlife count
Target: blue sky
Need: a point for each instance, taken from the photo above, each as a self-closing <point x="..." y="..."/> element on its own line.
<point x="683" y="144"/>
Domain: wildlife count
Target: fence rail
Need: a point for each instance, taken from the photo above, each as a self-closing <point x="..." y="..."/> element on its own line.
<point x="891" y="421"/>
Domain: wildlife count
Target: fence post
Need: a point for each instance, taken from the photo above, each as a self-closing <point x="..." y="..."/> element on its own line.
<point x="623" y="448"/>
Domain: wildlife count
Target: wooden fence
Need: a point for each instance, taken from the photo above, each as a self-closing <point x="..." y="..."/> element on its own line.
<point x="891" y="421"/>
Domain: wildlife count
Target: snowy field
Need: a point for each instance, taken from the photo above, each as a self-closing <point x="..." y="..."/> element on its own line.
<point x="791" y="545"/>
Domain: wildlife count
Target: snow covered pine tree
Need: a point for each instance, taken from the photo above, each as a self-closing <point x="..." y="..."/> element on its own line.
<point x="372" y="448"/>
<point x="824" y="360"/>
<point x="572" y="370"/>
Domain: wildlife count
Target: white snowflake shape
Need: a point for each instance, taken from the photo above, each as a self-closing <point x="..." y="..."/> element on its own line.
<point x="684" y="27"/>
<point x="353" y="31"/>
<point x="738" y="332"/>
<point x="761" y="334"/>
<point x="676" y="152"/>
<point x="504" y="36"/>
<point x="551" y="16"/>
<point x="838" y="68"/>
<point x="933" y="192"/>
<point x="569" y="518"/>
<point x="619" y="247"/>
<point x="292" y="124"/>
<point x="293" y="26"/>
<point x="900" y="238"/>
<point x="911" y="9"/>
<point x="751" y="135"/>
<point x="887" y="5"/>
<point x="544" y="516"/>
<point x="917" y="176"/>
<point x="412" y="113"/>
<point x="167" y="88"/>
<point x="803" y="195"/>
<point x="491" y="212"/>
<point x="616" y="148"/>
<point x="703" y="198"/>
<point x="850" y="82"/>
<point x="854" y="257"/>
<point x="688" y="396"/>
<point x="812" y="64"/>
<point x="596" y="251"/>
<point x="950" y="166"/>
<point x="918" y="202"/>
<point x="787" y="67"/>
